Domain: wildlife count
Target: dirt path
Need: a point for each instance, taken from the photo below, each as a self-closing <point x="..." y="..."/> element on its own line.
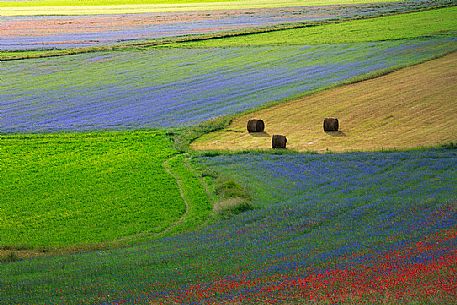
<point x="180" y="183"/>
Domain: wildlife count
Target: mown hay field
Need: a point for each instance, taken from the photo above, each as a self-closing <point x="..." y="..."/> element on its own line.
<point x="408" y="108"/>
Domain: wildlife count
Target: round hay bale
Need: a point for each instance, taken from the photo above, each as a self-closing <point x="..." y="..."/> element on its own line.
<point x="331" y="124"/>
<point x="256" y="126"/>
<point x="278" y="141"/>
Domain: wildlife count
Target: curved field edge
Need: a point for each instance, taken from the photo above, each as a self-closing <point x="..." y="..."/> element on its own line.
<point x="385" y="220"/>
<point x="92" y="190"/>
<point x="404" y="109"/>
<point x="193" y="192"/>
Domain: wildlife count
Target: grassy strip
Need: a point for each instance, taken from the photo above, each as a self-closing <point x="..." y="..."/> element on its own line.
<point x="403" y="26"/>
<point x="197" y="202"/>
<point x="166" y="42"/>
<point x="182" y="137"/>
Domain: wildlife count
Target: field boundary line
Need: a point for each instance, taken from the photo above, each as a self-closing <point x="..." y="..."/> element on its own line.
<point x="180" y="184"/>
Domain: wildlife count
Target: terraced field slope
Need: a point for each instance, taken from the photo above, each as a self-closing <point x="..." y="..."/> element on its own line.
<point x="65" y="190"/>
<point x="366" y="228"/>
<point x="409" y="108"/>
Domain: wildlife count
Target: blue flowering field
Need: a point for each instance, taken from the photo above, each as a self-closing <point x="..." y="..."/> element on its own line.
<point x="313" y="214"/>
<point x="182" y="87"/>
<point x="104" y="202"/>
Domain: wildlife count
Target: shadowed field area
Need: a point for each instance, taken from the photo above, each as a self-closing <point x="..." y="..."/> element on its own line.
<point x="409" y="108"/>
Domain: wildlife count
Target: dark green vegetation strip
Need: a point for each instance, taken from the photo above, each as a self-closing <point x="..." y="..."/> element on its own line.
<point x="404" y="26"/>
<point x="80" y="189"/>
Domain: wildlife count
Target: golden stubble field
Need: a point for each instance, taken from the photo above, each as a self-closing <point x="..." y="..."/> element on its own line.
<point x="98" y="7"/>
<point x="412" y="107"/>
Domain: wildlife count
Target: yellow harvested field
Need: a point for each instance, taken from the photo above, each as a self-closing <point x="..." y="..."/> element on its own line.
<point x="412" y="107"/>
<point x="20" y="10"/>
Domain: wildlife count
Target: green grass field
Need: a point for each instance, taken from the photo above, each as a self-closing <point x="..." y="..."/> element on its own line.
<point x="404" y="26"/>
<point x="86" y="188"/>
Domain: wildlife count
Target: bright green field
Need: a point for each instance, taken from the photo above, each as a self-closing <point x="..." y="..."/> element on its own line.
<point x="78" y="189"/>
<point x="404" y="26"/>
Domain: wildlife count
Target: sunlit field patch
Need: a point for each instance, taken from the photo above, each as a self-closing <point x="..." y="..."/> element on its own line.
<point x="65" y="7"/>
<point x="402" y="26"/>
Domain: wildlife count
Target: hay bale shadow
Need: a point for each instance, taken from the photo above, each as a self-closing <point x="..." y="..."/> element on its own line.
<point x="261" y="134"/>
<point x="336" y="133"/>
